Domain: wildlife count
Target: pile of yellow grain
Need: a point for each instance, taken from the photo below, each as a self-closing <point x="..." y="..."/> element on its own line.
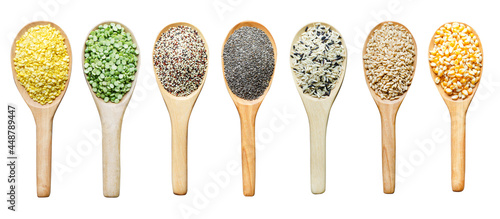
<point x="42" y="63"/>
<point x="456" y="60"/>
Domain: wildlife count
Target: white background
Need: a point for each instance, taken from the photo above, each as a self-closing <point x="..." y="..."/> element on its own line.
<point x="354" y="175"/>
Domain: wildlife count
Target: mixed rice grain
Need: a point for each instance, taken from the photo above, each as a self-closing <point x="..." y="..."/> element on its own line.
<point x="318" y="58"/>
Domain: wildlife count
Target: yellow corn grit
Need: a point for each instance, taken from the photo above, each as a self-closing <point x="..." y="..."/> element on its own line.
<point x="42" y="63"/>
<point x="456" y="59"/>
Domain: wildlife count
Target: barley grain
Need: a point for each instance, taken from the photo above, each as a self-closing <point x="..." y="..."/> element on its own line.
<point x="388" y="61"/>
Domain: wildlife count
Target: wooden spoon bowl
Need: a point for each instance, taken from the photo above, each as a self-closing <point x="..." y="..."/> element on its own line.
<point x="458" y="110"/>
<point x="247" y="110"/>
<point x="388" y="110"/>
<point x="111" y="115"/>
<point x="43" y="114"/>
<point x="318" y="111"/>
<point x="180" y="109"/>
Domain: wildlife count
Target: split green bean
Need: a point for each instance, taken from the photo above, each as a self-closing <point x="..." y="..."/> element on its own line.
<point x="111" y="59"/>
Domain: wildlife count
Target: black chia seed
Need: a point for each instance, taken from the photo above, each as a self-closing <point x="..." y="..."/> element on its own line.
<point x="248" y="62"/>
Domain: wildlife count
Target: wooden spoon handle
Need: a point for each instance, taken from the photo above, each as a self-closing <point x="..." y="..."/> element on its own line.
<point x="248" y="151"/>
<point x="458" y="151"/>
<point x="389" y="151"/>
<point x="317" y="128"/>
<point x="43" y="156"/>
<point x="179" y="156"/>
<point x="111" y="133"/>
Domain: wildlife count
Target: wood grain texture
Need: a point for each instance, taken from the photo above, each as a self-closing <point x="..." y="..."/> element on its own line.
<point x="388" y="116"/>
<point x="111" y="115"/>
<point x="180" y="109"/>
<point x="247" y="118"/>
<point x="44" y="152"/>
<point x="458" y="149"/>
<point x="43" y="114"/>
<point x="388" y="111"/>
<point x="247" y="110"/>
<point x="458" y="112"/>
<point x="318" y="111"/>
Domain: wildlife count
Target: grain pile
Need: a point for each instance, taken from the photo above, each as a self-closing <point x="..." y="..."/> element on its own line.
<point x="318" y="58"/>
<point x="42" y="63"/>
<point x="248" y="62"/>
<point x="388" y="60"/>
<point x="456" y="60"/>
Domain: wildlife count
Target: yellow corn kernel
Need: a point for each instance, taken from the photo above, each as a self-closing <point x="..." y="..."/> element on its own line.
<point x="440" y="73"/>
<point x="456" y="59"/>
<point x="437" y="80"/>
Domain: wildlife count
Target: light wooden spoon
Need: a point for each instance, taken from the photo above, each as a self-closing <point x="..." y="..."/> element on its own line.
<point x="247" y="110"/>
<point x="180" y="109"/>
<point x="318" y="110"/>
<point x="43" y="114"/>
<point x="458" y="110"/>
<point x="388" y="110"/>
<point x="111" y="115"/>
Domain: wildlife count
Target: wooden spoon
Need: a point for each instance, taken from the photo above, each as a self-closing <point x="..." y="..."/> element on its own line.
<point x="388" y="110"/>
<point x="247" y="110"/>
<point x="180" y="109"/>
<point x="318" y="110"/>
<point x="458" y="110"/>
<point x="111" y="115"/>
<point x="43" y="114"/>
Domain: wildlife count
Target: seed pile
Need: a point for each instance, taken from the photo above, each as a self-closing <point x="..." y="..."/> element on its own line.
<point x="456" y="60"/>
<point x="180" y="60"/>
<point x="318" y="58"/>
<point x="248" y="62"/>
<point x="42" y="63"/>
<point x="110" y="62"/>
<point x="388" y="61"/>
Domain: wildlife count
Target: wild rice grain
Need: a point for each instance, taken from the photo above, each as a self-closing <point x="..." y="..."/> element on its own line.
<point x="248" y="62"/>
<point x="318" y="59"/>
<point x="180" y="60"/>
